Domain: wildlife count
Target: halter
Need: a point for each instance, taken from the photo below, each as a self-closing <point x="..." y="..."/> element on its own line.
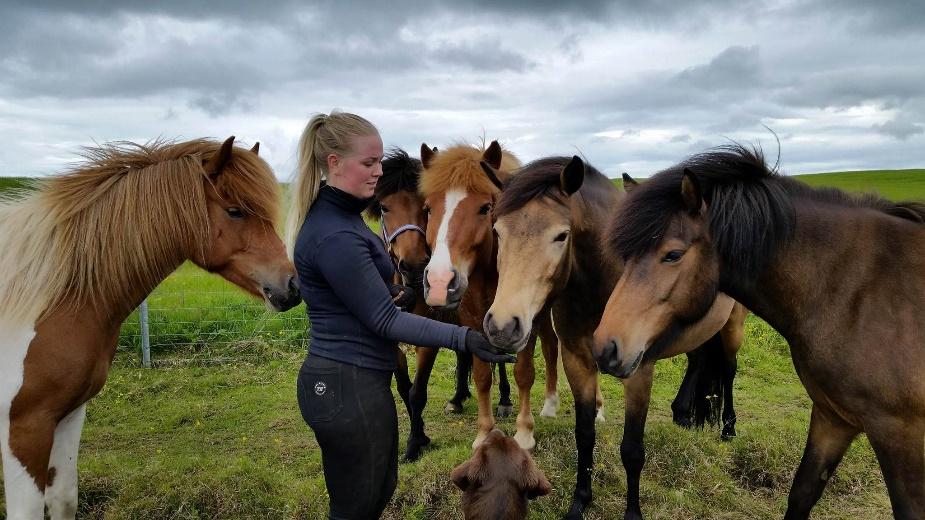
<point x="389" y="238"/>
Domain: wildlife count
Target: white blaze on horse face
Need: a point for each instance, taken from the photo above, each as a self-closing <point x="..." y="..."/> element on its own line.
<point x="23" y="497"/>
<point x="440" y="268"/>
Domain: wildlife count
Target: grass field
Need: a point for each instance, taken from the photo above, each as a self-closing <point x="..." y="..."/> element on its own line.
<point x="214" y="431"/>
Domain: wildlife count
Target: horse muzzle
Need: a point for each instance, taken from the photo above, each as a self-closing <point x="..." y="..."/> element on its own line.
<point x="282" y="298"/>
<point x="608" y="360"/>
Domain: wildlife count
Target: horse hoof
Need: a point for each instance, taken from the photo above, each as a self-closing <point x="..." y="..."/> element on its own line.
<point x="415" y="449"/>
<point x="525" y="440"/>
<point x="632" y="515"/>
<point x="728" y="433"/>
<point x="550" y="407"/>
<point x="600" y="416"/>
<point x="576" y="511"/>
<point x="683" y="421"/>
<point x="505" y="410"/>
<point x="452" y="407"/>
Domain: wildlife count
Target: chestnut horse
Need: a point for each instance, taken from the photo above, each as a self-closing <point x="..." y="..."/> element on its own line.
<point x="462" y="272"/>
<point x="841" y="277"/>
<point x="78" y="255"/>
<point x="400" y="212"/>
<point x="550" y="220"/>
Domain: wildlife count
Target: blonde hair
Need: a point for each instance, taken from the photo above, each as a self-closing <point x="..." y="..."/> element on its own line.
<point x="325" y="134"/>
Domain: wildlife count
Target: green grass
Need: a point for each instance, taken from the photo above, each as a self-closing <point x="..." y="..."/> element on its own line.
<point x="215" y="432"/>
<point x="13" y="183"/>
<point x="892" y="184"/>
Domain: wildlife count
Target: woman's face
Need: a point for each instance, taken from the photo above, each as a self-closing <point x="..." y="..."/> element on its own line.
<point x="358" y="171"/>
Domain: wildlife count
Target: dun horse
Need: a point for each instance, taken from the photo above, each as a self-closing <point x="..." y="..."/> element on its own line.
<point x="462" y="273"/>
<point x="842" y="278"/>
<point x="550" y="220"/>
<point x="77" y="256"/>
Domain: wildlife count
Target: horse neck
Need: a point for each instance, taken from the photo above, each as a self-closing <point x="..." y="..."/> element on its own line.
<point x="816" y="274"/>
<point x="592" y="274"/>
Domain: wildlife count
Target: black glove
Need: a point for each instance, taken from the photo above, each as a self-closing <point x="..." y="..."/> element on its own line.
<point x="403" y="296"/>
<point x="480" y="347"/>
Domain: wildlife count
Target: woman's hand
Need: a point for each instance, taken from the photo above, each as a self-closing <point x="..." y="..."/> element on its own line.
<point x="480" y="347"/>
<point x="403" y="296"/>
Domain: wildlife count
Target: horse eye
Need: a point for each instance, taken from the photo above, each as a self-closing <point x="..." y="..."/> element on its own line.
<point x="672" y="256"/>
<point x="427" y="210"/>
<point x="561" y="237"/>
<point x="485" y="209"/>
<point x="383" y="208"/>
<point x="235" y="213"/>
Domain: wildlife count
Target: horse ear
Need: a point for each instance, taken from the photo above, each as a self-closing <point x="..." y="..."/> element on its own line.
<point x="690" y="192"/>
<point x="256" y="148"/>
<point x="492" y="155"/>
<point x="216" y="164"/>
<point x="493" y="174"/>
<point x="572" y="176"/>
<point x="629" y="183"/>
<point x="427" y="155"/>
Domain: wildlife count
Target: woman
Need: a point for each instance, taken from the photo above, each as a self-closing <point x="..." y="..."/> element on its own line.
<point x="344" y="386"/>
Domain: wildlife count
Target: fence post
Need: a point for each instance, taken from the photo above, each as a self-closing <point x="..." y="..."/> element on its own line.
<point x="145" y="339"/>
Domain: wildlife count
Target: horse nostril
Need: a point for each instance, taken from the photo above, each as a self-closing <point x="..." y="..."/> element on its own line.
<point x="403" y="267"/>
<point x="291" y="284"/>
<point x="518" y="330"/>
<point x="454" y="282"/>
<point x="489" y="324"/>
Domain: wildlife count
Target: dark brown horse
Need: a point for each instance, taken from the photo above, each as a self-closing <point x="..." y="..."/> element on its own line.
<point x="462" y="272"/>
<point x="550" y="220"/>
<point x="400" y="212"/>
<point x="841" y="277"/>
<point x="79" y="254"/>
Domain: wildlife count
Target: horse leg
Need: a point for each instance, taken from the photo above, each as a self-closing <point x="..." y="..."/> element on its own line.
<point x="417" y="397"/>
<point x="524" y="375"/>
<point x="581" y="372"/>
<point x="897" y="442"/>
<point x="681" y="407"/>
<point x="26" y="448"/>
<point x="481" y="375"/>
<point x="732" y="334"/>
<point x="505" y="406"/>
<point x="402" y="380"/>
<point x="61" y="487"/>
<point x="463" y="370"/>
<point x="828" y="439"/>
<point x="550" y="346"/>
<point x="599" y="405"/>
<point x="637" y="393"/>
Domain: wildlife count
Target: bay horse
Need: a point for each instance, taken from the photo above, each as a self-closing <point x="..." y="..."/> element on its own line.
<point x="841" y="277"/>
<point x="400" y="212"/>
<point x="462" y="272"/>
<point x="550" y="220"/>
<point x="78" y="255"/>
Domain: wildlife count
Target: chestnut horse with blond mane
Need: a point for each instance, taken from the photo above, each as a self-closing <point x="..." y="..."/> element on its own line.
<point x="79" y="254"/>
<point x="462" y="273"/>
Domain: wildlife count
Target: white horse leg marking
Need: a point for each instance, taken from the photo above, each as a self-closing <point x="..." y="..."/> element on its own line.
<point x="24" y="500"/>
<point x="550" y="406"/>
<point x="440" y="267"/>
<point x="61" y="490"/>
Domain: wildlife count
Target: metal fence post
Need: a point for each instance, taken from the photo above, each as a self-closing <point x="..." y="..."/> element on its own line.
<point x="145" y="339"/>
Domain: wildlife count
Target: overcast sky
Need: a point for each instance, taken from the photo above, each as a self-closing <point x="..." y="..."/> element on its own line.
<point x="632" y="85"/>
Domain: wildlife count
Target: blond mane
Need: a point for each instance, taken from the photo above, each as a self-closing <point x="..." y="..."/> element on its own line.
<point x="124" y="218"/>
<point x="458" y="167"/>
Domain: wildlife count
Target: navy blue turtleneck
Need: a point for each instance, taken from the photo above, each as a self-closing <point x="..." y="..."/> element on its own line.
<point x="344" y="277"/>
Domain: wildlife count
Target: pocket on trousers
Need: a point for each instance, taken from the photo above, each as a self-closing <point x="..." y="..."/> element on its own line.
<point x="320" y="395"/>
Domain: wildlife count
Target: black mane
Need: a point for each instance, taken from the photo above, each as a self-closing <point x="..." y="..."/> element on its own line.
<point x="752" y="206"/>
<point x="538" y="178"/>
<point x="400" y="172"/>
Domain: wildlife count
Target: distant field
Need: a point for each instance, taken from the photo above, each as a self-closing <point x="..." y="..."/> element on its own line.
<point x="11" y="183"/>
<point x="892" y="184"/>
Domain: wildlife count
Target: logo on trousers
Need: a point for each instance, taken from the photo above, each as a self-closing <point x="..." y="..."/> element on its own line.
<point x="320" y="388"/>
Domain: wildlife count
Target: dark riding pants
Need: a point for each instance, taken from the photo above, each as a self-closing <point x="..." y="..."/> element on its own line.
<point x="352" y="412"/>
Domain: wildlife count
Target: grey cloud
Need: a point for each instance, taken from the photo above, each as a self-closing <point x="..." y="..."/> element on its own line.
<point x="734" y="68"/>
<point x="900" y="127"/>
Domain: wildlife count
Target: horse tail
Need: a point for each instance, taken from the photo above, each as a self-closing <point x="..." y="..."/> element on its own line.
<point x="710" y="364"/>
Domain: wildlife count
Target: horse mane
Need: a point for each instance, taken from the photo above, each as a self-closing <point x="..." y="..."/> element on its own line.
<point x="122" y="219"/>
<point x="540" y="178"/>
<point x="752" y="206"/>
<point x="458" y="167"/>
<point x="400" y="172"/>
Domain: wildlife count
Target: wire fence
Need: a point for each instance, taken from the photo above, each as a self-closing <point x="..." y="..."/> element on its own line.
<point x="196" y="317"/>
